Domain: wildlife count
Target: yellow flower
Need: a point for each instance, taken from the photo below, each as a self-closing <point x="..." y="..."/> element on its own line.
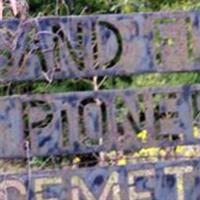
<point x="76" y="160"/>
<point x="196" y="132"/>
<point x="180" y="149"/>
<point x="112" y="154"/>
<point x="142" y="153"/>
<point x="170" y="42"/>
<point x="142" y="135"/>
<point x="136" y="154"/>
<point x="186" y="151"/>
<point x="122" y="161"/>
<point x="162" y="153"/>
<point x="190" y="151"/>
<point x="153" y="151"/>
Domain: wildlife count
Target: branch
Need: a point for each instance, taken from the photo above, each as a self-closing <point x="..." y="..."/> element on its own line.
<point x="13" y="4"/>
<point x="1" y="9"/>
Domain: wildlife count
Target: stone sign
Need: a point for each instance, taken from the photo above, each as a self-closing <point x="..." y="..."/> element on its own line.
<point x="67" y="47"/>
<point x="163" y="181"/>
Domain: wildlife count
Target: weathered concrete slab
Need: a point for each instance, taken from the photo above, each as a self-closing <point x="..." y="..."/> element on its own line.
<point x="84" y="46"/>
<point x="178" y="180"/>
<point x="81" y="122"/>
